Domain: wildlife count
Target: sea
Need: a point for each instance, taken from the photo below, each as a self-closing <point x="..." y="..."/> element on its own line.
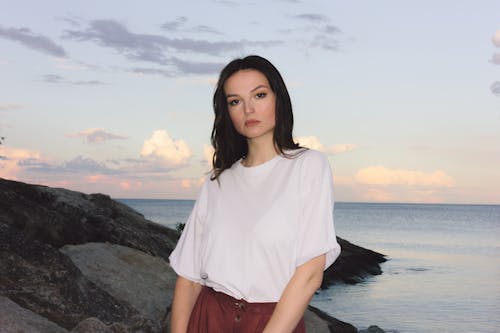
<point x="442" y="272"/>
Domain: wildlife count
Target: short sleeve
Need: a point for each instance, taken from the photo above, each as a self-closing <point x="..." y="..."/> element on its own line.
<point x="316" y="231"/>
<point x="186" y="257"/>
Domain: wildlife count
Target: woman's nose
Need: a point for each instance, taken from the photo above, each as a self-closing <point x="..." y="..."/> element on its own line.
<point x="249" y="107"/>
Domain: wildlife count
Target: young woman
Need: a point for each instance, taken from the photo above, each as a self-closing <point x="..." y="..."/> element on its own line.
<point x="261" y="232"/>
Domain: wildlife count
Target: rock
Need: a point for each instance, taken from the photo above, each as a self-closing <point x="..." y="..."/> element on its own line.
<point x="314" y="323"/>
<point x="121" y="290"/>
<point x="143" y="281"/>
<point x="334" y="325"/>
<point x="372" y="329"/>
<point x="91" y="325"/>
<point x="58" y="217"/>
<point x="41" y="279"/>
<point x="15" y="319"/>
<point x="354" y="264"/>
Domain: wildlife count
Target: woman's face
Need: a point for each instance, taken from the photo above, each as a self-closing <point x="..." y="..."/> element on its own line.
<point x="251" y="104"/>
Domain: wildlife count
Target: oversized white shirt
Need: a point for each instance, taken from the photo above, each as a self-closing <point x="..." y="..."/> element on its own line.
<point x="247" y="234"/>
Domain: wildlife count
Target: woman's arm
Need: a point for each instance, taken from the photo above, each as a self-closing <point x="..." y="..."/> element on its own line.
<point x="296" y="296"/>
<point x="185" y="295"/>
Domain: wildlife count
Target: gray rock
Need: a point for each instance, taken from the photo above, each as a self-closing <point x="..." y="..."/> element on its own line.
<point x="43" y="280"/>
<point x="334" y="325"/>
<point x="91" y="325"/>
<point x="15" y="319"/>
<point x="314" y="323"/>
<point x="143" y="281"/>
<point x="372" y="329"/>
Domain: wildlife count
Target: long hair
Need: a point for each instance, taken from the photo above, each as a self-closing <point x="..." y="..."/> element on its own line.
<point x="228" y="144"/>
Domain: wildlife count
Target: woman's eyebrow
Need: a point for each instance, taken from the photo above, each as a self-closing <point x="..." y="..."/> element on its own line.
<point x="258" y="87"/>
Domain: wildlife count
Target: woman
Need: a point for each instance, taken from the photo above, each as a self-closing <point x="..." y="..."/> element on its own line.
<point x="261" y="233"/>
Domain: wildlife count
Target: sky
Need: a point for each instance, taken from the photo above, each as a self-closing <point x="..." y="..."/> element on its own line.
<point x="115" y="96"/>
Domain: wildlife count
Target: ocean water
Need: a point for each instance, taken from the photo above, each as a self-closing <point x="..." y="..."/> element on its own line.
<point x="443" y="272"/>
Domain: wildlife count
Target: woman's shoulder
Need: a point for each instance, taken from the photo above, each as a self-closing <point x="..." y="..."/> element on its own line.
<point x="308" y="156"/>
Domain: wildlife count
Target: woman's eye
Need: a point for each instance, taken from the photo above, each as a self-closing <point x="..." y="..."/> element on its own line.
<point x="233" y="102"/>
<point x="261" y="95"/>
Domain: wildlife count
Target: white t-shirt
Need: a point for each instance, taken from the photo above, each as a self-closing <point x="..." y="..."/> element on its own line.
<point x="246" y="235"/>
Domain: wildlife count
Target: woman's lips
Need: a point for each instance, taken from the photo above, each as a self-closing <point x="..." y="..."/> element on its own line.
<point x="251" y="122"/>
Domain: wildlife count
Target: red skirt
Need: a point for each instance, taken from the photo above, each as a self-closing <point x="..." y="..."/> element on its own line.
<point x="216" y="312"/>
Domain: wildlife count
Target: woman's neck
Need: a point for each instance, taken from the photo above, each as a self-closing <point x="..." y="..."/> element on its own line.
<point x="259" y="151"/>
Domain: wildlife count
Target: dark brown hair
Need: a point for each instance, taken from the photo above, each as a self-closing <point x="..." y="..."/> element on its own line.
<point x="228" y="144"/>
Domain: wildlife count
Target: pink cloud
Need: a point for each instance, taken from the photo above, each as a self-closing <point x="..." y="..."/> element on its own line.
<point x="11" y="160"/>
<point x="96" y="135"/>
<point x="380" y="175"/>
<point x="313" y="142"/>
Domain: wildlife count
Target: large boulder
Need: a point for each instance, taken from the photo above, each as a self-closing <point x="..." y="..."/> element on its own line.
<point x="143" y="281"/>
<point x="16" y="319"/>
<point x="41" y="279"/>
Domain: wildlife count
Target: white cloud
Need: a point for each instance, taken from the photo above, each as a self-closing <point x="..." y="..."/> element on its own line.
<point x="380" y="175"/>
<point x="496" y="38"/>
<point x="162" y="148"/>
<point x="96" y="135"/>
<point x="313" y="142"/>
<point x="208" y="153"/>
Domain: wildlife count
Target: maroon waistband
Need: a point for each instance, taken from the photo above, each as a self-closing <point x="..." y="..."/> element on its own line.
<point x="262" y="308"/>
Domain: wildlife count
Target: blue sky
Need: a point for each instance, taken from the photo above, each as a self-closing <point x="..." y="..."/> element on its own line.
<point x="115" y="97"/>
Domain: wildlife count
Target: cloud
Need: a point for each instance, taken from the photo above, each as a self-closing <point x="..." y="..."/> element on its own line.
<point x="325" y="42"/>
<point x="96" y="135"/>
<point x="208" y="153"/>
<point x="313" y="18"/>
<point x="165" y="150"/>
<point x="205" y="29"/>
<point x="33" y="41"/>
<point x="495" y="59"/>
<point x="10" y="165"/>
<point x="179" y="22"/>
<point x="320" y="32"/>
<point x="9" y="107"/>
<point x="377" y="195"/>
<point x="314" y="143"/>
<point x="380" y="175"/>
<point x="181" y="67"/>
<point x="57" y="79"/>
<point x="495" y="88"/>
<point x="82" y="164"/>
<point x="197" y="67"/>
<point x="154" y="71"/>
<point x="496" y="38"/>
<point x="153" y="48"/>
<point x="174" y="25"/>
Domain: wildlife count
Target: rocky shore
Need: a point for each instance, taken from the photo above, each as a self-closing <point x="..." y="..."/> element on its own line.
<point x="72" y="262"/>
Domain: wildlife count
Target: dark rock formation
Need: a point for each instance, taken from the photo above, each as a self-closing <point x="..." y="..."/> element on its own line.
<point x="58" y="217"/>
<point x="38" y="222"/>
<point x="334" y="325"/>
<point x="354" y="264"/>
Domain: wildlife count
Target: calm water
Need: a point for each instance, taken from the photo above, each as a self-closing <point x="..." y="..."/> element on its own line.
<point x="443" y="274"/>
